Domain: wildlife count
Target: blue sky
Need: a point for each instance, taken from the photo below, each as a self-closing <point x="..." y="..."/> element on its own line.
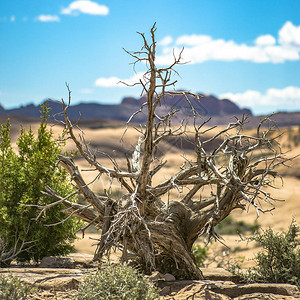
<point x="244" y="50"/>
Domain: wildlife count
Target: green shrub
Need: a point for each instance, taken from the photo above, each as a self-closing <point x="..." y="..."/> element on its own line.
<point x="11" y="288"/>
<point x="24" y="174"/>
<point x="200" y="253"/>
<point x="279" y="262"/>
<point x="230" y="226"/>
<point x="117" y="282"/>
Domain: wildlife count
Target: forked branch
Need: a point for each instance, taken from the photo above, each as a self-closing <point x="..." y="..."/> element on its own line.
<point x="161" y="233"/>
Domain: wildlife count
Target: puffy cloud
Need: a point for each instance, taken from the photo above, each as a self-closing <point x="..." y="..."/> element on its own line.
<point x="265" y="40"/>
<point x="248" y="98"/>
<point x="289" y="35"/>
<point x="200" y="48"/>
<point x="193" y="40"/>
<point x="287" y="98"/>
<point x="166" y="41"/>
<point x="48" y="18"/>
<point x="85" y="7"/>
<point x="116" y="82"/>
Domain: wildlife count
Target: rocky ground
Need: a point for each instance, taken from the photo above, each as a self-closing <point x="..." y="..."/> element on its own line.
<point x="59" y="278"/>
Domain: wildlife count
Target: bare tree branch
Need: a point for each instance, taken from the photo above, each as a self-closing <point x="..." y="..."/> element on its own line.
<point x="161" y="234"/>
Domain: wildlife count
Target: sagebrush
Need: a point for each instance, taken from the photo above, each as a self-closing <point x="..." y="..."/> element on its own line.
<point x="11" y="288"/>
<point x="117" y="282"/>
<point x="279" y="261"/>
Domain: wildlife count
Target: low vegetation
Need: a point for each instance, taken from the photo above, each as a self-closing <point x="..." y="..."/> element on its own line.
<point x="231" y="226"/>
<point x="117" y="282"/>
<point x="293" y="137"/>
<point x="279" y="261"/>
<point x="200" y="254"/>
<point x="26" y="232"/>
<point x="11" y="288"/>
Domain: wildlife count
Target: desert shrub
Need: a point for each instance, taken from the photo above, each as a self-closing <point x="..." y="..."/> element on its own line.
<point x="200" y="253"/>
<point x="117" y="282"/>
<point x="231" y="226"/>
<point x="24" y="174"/>
<point x="11" y="288"/>
<point x="279" y="261"/>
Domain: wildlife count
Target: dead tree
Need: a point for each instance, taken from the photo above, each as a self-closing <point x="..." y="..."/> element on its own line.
<point x="8" y="254"/>
<point x="160" y="234"/>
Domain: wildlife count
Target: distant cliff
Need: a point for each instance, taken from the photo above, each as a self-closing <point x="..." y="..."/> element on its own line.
<point x="206" y="106"/>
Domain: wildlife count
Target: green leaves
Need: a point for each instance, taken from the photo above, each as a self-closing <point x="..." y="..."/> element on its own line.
<point x="200" y="254"/>
<point x="25" y="173"/>
<point x="117" y="282"/>
<point x="279" y="260"/>
<point x="13" y="289"/>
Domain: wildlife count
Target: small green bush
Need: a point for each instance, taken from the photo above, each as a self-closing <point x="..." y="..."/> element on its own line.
<point x="200" y="253"/>
<point x="117" y="282"/>
<point x="11" y="288"/>
<point x="231" y="226"/>
<point x="279" y="262"/>
<point x="25" y="171"/>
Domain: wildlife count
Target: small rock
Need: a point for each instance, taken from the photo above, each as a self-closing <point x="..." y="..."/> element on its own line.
<point x="169" y="277"/>
<point x="165" y="291"/>
<point x="207" y="294"/>
<point x="261" y="296"/>
<point x="59" y="284"/>
<point x="155" y="276"/>
<point x="218" y="274"/>
<point x="71" y="261"/>
<point x="46" y="294"/>
<point x="56" y="262"/>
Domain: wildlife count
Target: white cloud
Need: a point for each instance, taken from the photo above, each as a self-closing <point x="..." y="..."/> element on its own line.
<point x="289" y="35"/>
<point x="201" y="48"/>
<point x="116" y="82"/>
<point x="166" y="41"/>
<point x="287" y="98"/>
<point x="85" y="7"/>
<point x="193" y="40"/>
<point x="265" y="40"/>
<point x="249" y="98"/>
<point x="48" y="18"/>
<point x="12" y="18"/>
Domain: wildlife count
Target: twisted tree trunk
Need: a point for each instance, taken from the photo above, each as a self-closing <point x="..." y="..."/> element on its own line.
<point x="161" y="235"/>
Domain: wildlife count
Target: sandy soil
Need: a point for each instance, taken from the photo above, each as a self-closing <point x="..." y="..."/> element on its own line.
<point x="108" y="139"/>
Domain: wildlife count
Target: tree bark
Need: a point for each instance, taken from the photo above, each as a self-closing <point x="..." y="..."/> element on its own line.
<point x="161" y="235"/>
